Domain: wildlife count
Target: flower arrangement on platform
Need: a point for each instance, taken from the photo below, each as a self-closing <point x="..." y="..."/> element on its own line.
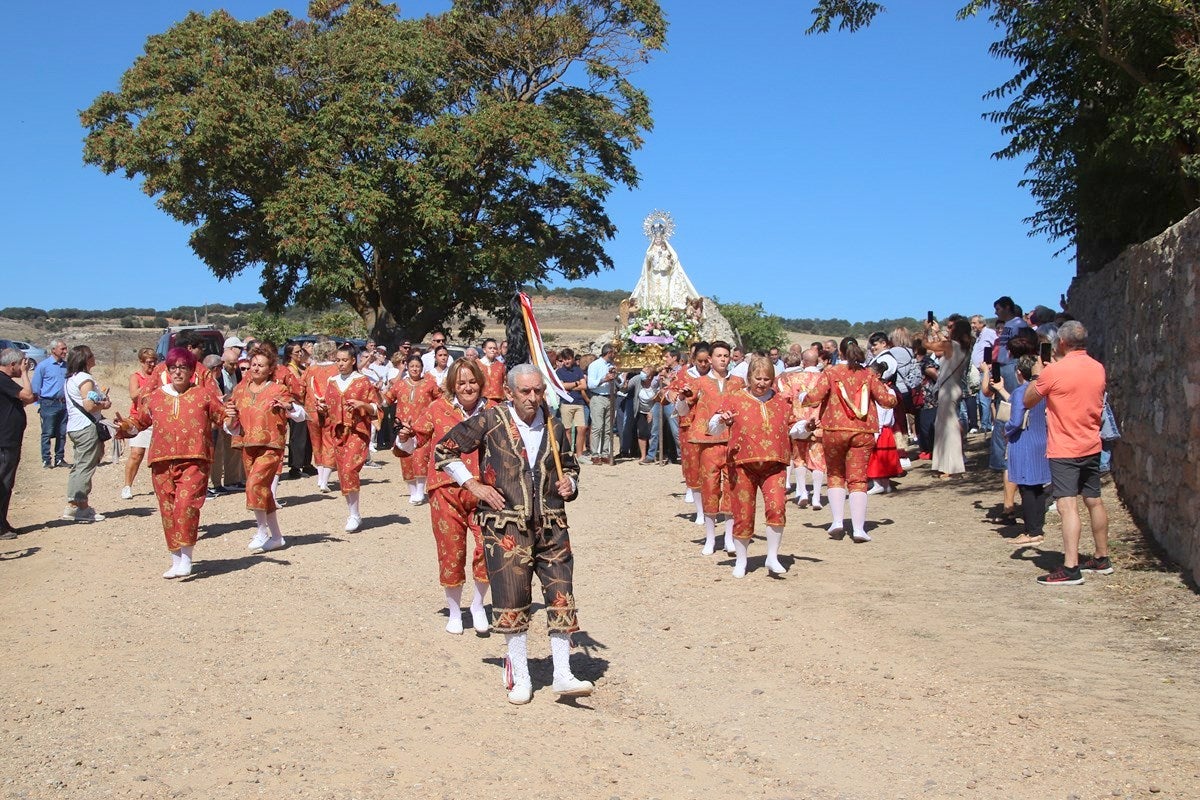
<point x="658" y="327"/>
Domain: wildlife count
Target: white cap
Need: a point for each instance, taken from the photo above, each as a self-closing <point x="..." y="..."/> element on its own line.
<point x="234" y="341"/>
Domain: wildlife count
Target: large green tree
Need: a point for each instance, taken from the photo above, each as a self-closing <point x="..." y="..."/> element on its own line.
<point x="420" y="170"/>
<point x="1105" y="105"/>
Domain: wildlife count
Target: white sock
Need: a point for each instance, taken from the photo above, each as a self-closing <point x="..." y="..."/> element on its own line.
<point x="273" y="525"/>
<point x="741" y="547"/>
<point x="774" y="537"/>
<point x="275" y="488"/>
<point x="323" y="477"/>
<point x="454" y="606"/>
<point x="560" y="653"/>
<point x="185" y="559"/>
<point x="789" y="478"/>
<point x="699" y="506"/>
<point x="479" y="617"/>
<point x="729" y="540"/>
<point x="518" y="657"/>
<point x="858" y="514"/>
<point x="352" y="504"/>
<point x="260" y="519"/>
<point x="412" y="491"/>
<point x="818" y="483"/>
<point x="710" y="535"/>
<point x="174" y="570"/>
<point x="687" y="496"/>
<point x="421" y="487"/>
<point x="801" y="482"/>
<point x="837" y="509"/>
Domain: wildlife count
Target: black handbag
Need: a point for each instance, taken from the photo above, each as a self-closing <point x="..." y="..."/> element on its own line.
<point x="103" y="432"/>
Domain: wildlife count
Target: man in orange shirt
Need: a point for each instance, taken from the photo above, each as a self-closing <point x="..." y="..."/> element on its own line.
<point x="1074" y="390"/>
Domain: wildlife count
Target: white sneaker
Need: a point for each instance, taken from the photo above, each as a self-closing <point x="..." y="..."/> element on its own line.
<point x="274" y="543"/>
<point x="258" y="541"/>
<point x="76" y="514"/>
<point x="127" y="493"/>
<point x="571" y="687"/>
<point x="323" y="488"/>
<point x="479" y="620"/>
<point x="179" y="571"/>
<point x="860" y="536"/>
<point x="454" y="624"/>
<point x="352" y="524"/>
<point x="876" y="489"/>
<point x="521" y="694"/>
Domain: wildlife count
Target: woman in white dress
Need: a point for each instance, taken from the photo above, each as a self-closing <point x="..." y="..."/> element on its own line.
<point x="947" y="430"/>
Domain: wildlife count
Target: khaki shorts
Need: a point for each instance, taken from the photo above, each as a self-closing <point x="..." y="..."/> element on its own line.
<point x="572" y="415"/>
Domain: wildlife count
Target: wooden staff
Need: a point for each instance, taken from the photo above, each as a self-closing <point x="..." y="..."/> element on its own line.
<point x="553" y="442"/>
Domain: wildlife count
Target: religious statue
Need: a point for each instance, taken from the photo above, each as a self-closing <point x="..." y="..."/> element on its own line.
<point x="663" y="283"/>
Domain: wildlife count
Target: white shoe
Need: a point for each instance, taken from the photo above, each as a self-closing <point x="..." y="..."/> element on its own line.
<point x="82" y="514"/>
<point x="775" y="568"/>
<point x="521" y="694"/>
<point x="454" y="625"/>
<point x="816" y="505"/>
<point x="126" y="492"/>
<point x="479" y="620"/>
<point x="274" y="543"/>
<point x="323" y="488"/>
<point x="352" y="524"/>
<point x="571" y="687"/>
<point x="258" y="541"/>
<point x="876" y="489"/>
<point x="860" y="536"/>
<point x="178" y="571"/>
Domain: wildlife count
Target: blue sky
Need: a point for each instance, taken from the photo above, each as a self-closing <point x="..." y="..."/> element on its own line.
<point x="830" y="176"/>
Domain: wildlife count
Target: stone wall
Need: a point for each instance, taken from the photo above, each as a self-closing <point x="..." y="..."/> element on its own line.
<point x="1143" y="322"/>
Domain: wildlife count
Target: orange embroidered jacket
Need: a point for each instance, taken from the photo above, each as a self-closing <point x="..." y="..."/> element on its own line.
<point x="183" y="424"/>
<point x="434" y="422"/>
<point x="339" y="414"/>
<point x="792" y="386"/>
<point x="708" y="395"/>
<point x="315" y="378"/>
<point x="844" y="396"/>
<point x="410" y="397"/>
<point x="683" y="378"/>
<point x="292" y="381"/>
<point x="493" y="380"/>
<point x="262" y="424"/>
<point x="760" y="428"/>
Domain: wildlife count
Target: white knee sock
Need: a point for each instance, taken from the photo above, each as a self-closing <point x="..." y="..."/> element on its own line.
<point x="275" y="488"/>
<point x="801" y="482"/>
<point x="323" y="477"/>
<point x="710" y="535"/>
<point x="260" y="519"/>
<point x="185" y="559"/>
<point x="560" y="652"/>
<point x="420" y="493"/>
<point x="479" y="617"/>
<point x="454" y="606"/>
<point x="273" y="525"/>
<point x="352" y="504"/>
<point x="818" y="483"/>
<point x="774" y="537"/>
<point x="699" y="506"/>
<point x="687" y="496"/>
<point x="837" y="509"/>
<point x="729" y="535"/>
<point x="789" y="478"/>
<point x="858" y="515"/>
<point x="174" y="570"/>
<point x="518" y="658"/>
<point x="742" y="548"/>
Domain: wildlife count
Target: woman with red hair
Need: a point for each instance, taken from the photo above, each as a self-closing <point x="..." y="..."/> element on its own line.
<point x="184" y="416"/>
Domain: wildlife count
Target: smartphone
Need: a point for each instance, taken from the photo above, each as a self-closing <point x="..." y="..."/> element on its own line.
<point x="929" y="317"/>
<point x="987" y="356"/>
<point x="1046" y="353"/>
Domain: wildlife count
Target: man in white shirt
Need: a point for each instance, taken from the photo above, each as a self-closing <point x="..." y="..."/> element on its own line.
<point x="528" y="473"/>
<point x="985" y="339"/>
<point x="437" y="339"/>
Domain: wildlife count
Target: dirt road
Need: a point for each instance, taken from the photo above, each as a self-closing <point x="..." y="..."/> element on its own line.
<point x="927" y="663"/>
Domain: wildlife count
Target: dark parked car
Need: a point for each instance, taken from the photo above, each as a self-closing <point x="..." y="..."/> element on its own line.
<point x="214" y="339"/>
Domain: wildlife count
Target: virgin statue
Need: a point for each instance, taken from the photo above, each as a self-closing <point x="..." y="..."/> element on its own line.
<point x="663" y="283"/>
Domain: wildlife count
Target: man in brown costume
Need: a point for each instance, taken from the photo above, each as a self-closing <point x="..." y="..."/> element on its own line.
<point x="522" y="513"/>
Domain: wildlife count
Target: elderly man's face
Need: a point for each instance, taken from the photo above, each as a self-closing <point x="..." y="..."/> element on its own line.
<point x="528" y="395"/>
<point x="773" y="353"/>
<point x="59" y="351"/>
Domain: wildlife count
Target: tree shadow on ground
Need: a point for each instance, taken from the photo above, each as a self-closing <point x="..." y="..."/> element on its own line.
<point x="1045" y="560"/>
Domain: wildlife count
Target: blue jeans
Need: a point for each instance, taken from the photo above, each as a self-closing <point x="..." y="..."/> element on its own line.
<point x="985" y="414"/>
<point x="54" y="426"/>
<point x="655" y="431"/>
<point x="1105" y="456"/>
<point x="666" y="412"/>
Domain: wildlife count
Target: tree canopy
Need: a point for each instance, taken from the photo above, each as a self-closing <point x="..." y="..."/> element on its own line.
<point x="1105" y="105"/>
<point x="417" y="169"/>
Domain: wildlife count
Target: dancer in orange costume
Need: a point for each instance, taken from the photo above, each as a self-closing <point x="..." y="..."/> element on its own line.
<point x="201" y="377"/>
<point x="316" y="381"/>
<point x="704" y="397"/>
<point x="349" y="406"/>
<point x="411" y="394"/>
<point x="808" y="454"/>
<point x="494" y="372"/>
<point x="689" y="454"/>
<point x="849" y="422"/>
<point x="262" y="407"/>
<point x="452" y="507"/>
<point x="757" y="419"/>
<point x="183" y="416"/>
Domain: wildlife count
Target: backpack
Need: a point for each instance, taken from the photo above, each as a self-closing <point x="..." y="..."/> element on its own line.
<point x="908" y="371"/>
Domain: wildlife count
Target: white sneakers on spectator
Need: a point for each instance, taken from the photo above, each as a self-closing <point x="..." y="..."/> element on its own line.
<point x="76" y="514"/>
<point x="126" y="492"/>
